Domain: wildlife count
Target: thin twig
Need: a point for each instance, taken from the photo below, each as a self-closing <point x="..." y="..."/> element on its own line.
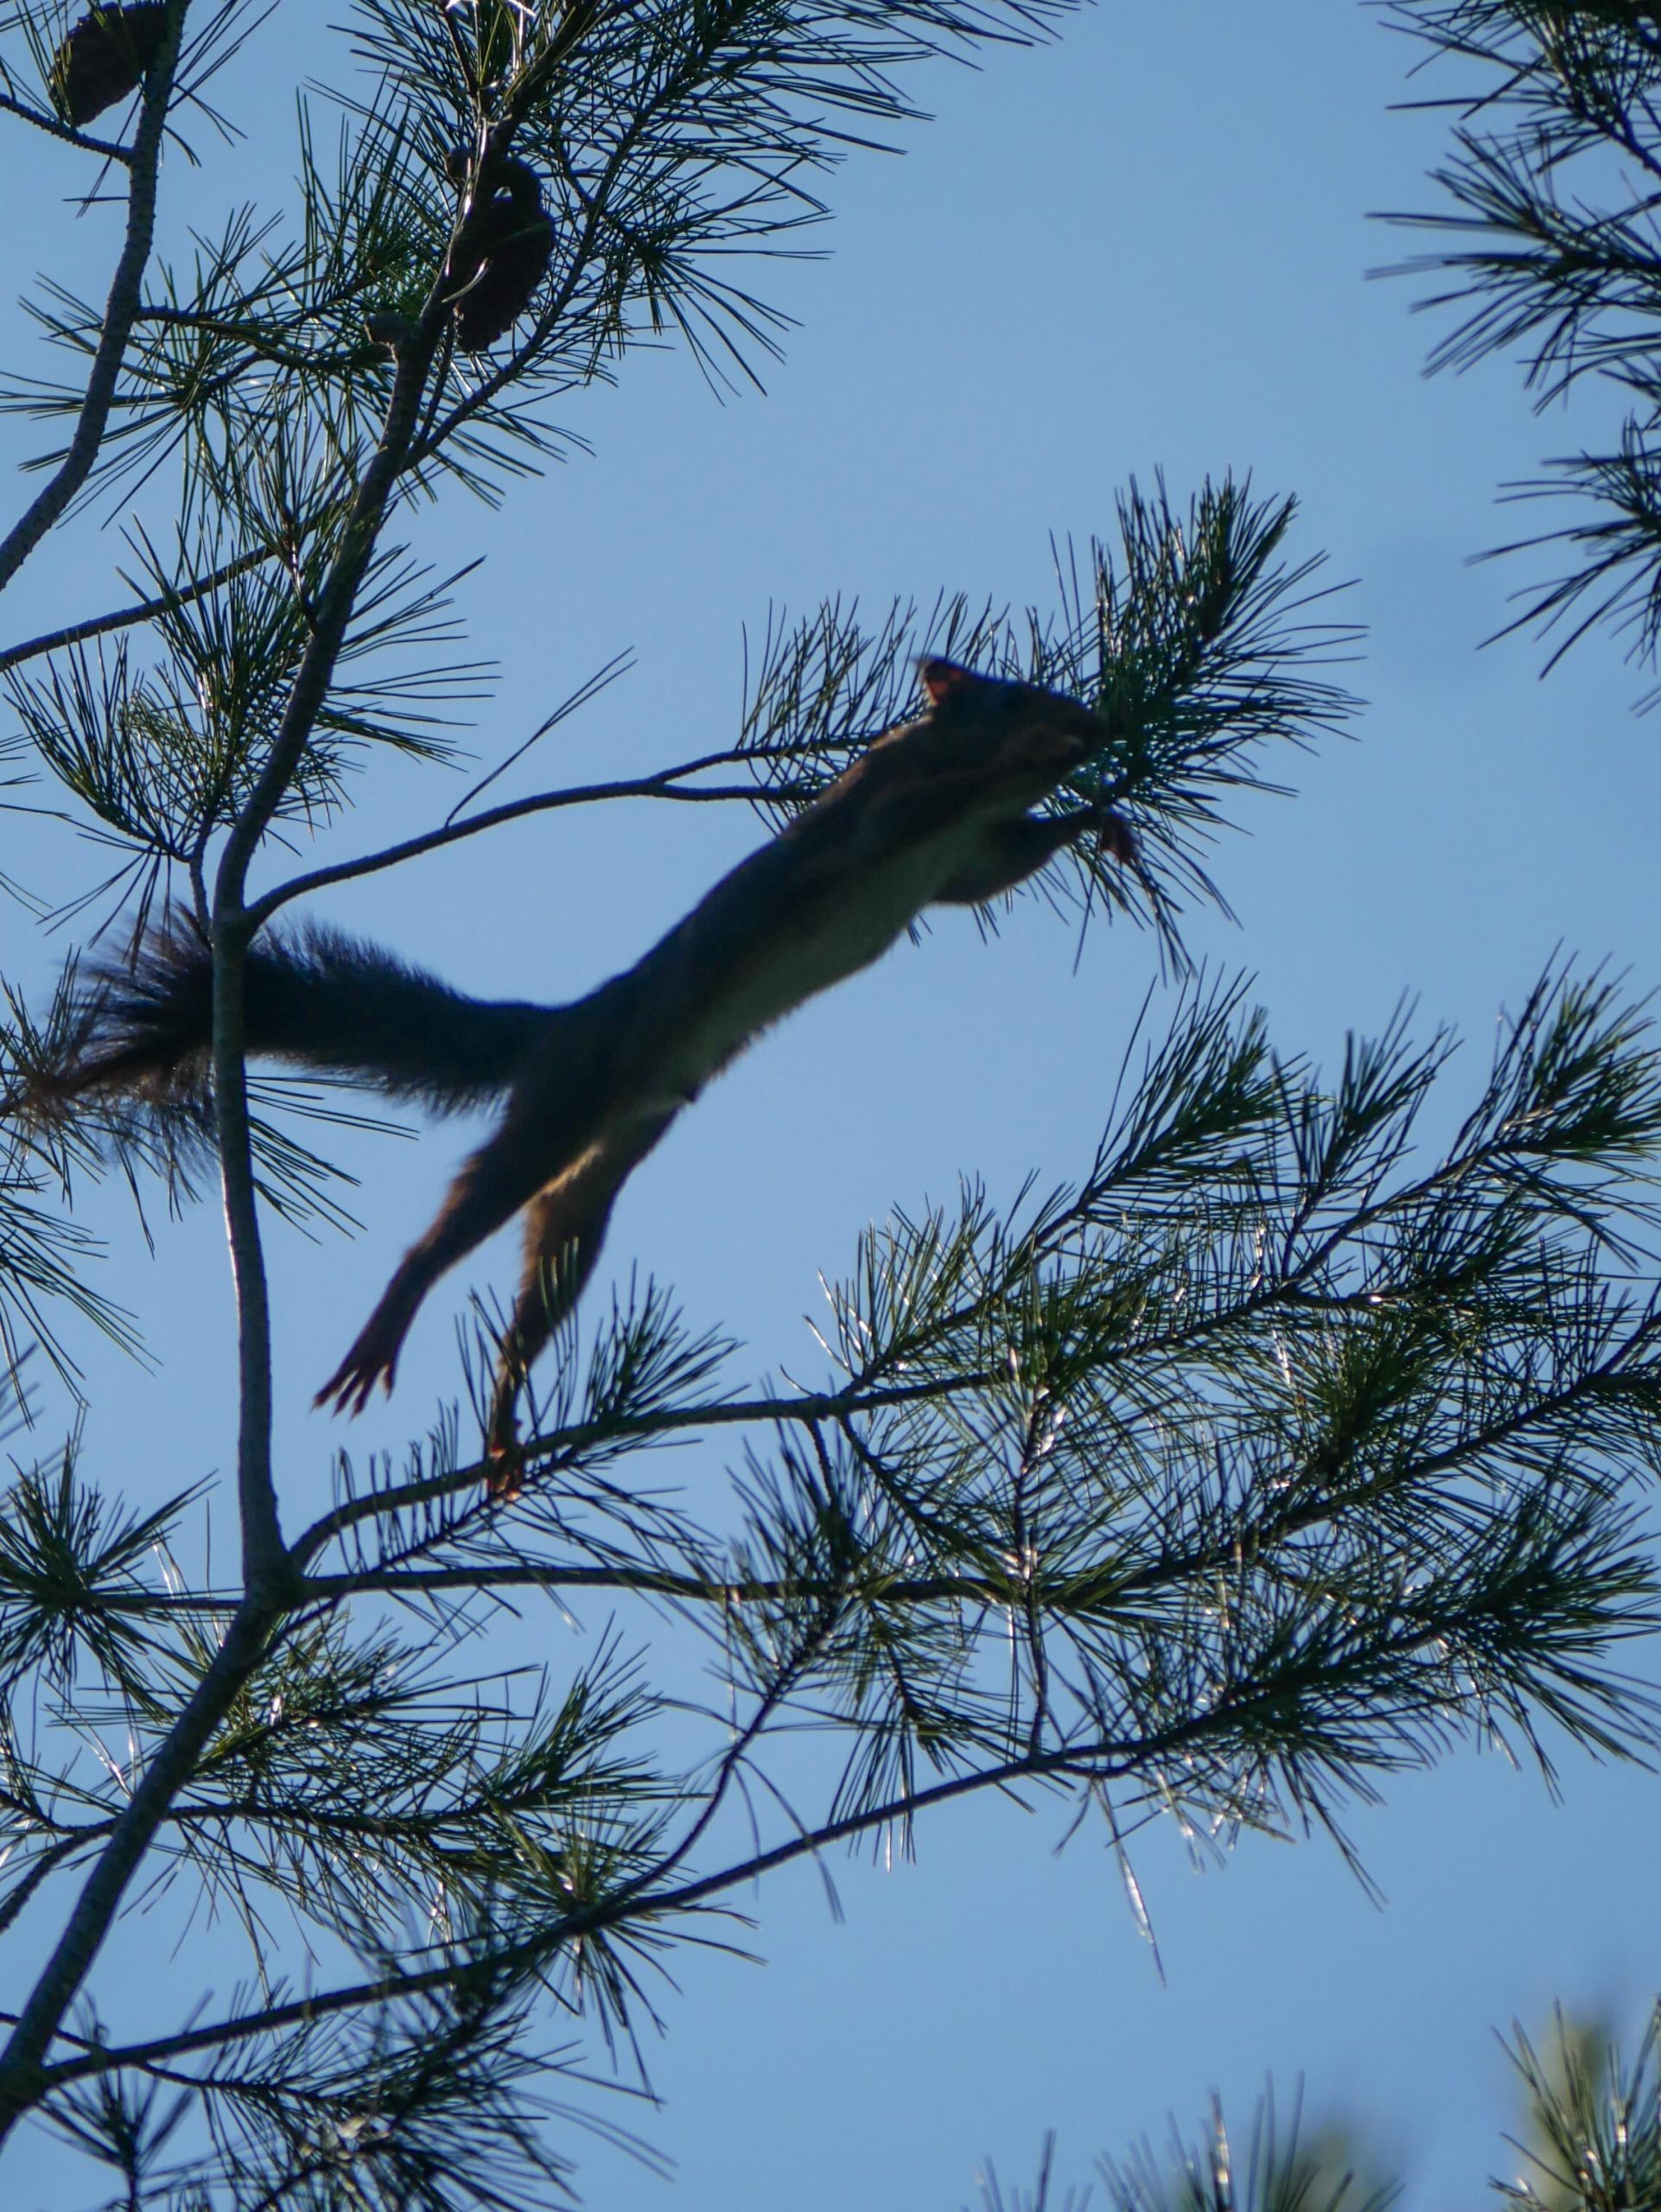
<point x="643" y="1582"/>
<point x="144" y="167"/>
<point x="568" y="1443"/>
<point x="125" y="618"/>
<point x="43" y="121"/>
<point x="664" y="785"/>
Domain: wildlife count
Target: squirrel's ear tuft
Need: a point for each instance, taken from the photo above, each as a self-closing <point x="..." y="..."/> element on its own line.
<point x="942" y="677"/>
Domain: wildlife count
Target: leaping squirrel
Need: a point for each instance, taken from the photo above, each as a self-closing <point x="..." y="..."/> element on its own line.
<point x="935" y="811"/>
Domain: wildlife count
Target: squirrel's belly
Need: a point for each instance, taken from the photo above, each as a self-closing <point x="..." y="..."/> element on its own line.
<point x="798" y="956"/>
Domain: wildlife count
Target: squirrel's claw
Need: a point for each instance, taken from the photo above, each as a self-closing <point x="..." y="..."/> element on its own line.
<point x="1115" y="835"/>
<point x="372" y="1359"/>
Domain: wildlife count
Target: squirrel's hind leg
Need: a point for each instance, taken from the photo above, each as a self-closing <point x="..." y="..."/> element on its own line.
<point x="559" y="1258"/>
<point x="565" y="1225"/>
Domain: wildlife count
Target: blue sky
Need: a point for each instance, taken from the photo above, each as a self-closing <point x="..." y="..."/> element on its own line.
<point x="1144" y="247"/>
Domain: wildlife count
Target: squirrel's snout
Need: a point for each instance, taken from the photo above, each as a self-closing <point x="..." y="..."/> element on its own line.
<point x="1061" y="741"/>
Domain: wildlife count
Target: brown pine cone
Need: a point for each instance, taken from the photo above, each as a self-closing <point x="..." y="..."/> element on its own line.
<point x="103" y="58"/>
<point x="501" y="258"/>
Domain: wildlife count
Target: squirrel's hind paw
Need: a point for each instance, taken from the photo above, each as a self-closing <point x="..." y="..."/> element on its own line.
<point x="504" y="1453"/>
<point x="505" y="1476"/>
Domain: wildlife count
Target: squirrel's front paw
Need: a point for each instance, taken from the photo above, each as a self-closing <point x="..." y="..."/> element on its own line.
<point x="372" y="1359"/>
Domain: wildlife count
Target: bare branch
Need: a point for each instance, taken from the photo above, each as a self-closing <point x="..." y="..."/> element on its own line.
<point x="665" y="784"/>
<point x="43" y="120"/>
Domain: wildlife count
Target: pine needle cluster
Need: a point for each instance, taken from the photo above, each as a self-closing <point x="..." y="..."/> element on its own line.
<point x="1549" y="248"/>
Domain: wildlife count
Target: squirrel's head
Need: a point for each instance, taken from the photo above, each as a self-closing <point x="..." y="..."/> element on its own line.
<point x="1038" y="729"/>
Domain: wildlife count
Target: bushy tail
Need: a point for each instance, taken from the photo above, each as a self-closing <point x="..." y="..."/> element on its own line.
<point x="317" y="999"/>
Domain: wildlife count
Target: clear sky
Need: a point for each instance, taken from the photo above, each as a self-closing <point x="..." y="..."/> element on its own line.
<point x="1145" y="247"/>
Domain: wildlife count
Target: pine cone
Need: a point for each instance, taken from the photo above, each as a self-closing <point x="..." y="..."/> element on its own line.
<point x="104" y="57"/>
<point x="500" y="257"/>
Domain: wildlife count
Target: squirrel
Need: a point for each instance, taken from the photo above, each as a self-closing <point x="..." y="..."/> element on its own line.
<point x="935" y="811"/>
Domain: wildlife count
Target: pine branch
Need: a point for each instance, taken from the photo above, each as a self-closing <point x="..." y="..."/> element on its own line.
<point x="144" y="165"/>
<point x="22" y="2071"/>
<point x="1555" y="184"/>
<point x="127" y="618"/>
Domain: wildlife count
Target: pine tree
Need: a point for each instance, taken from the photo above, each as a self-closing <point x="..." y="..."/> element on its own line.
<point x="1275" y="1450"/>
